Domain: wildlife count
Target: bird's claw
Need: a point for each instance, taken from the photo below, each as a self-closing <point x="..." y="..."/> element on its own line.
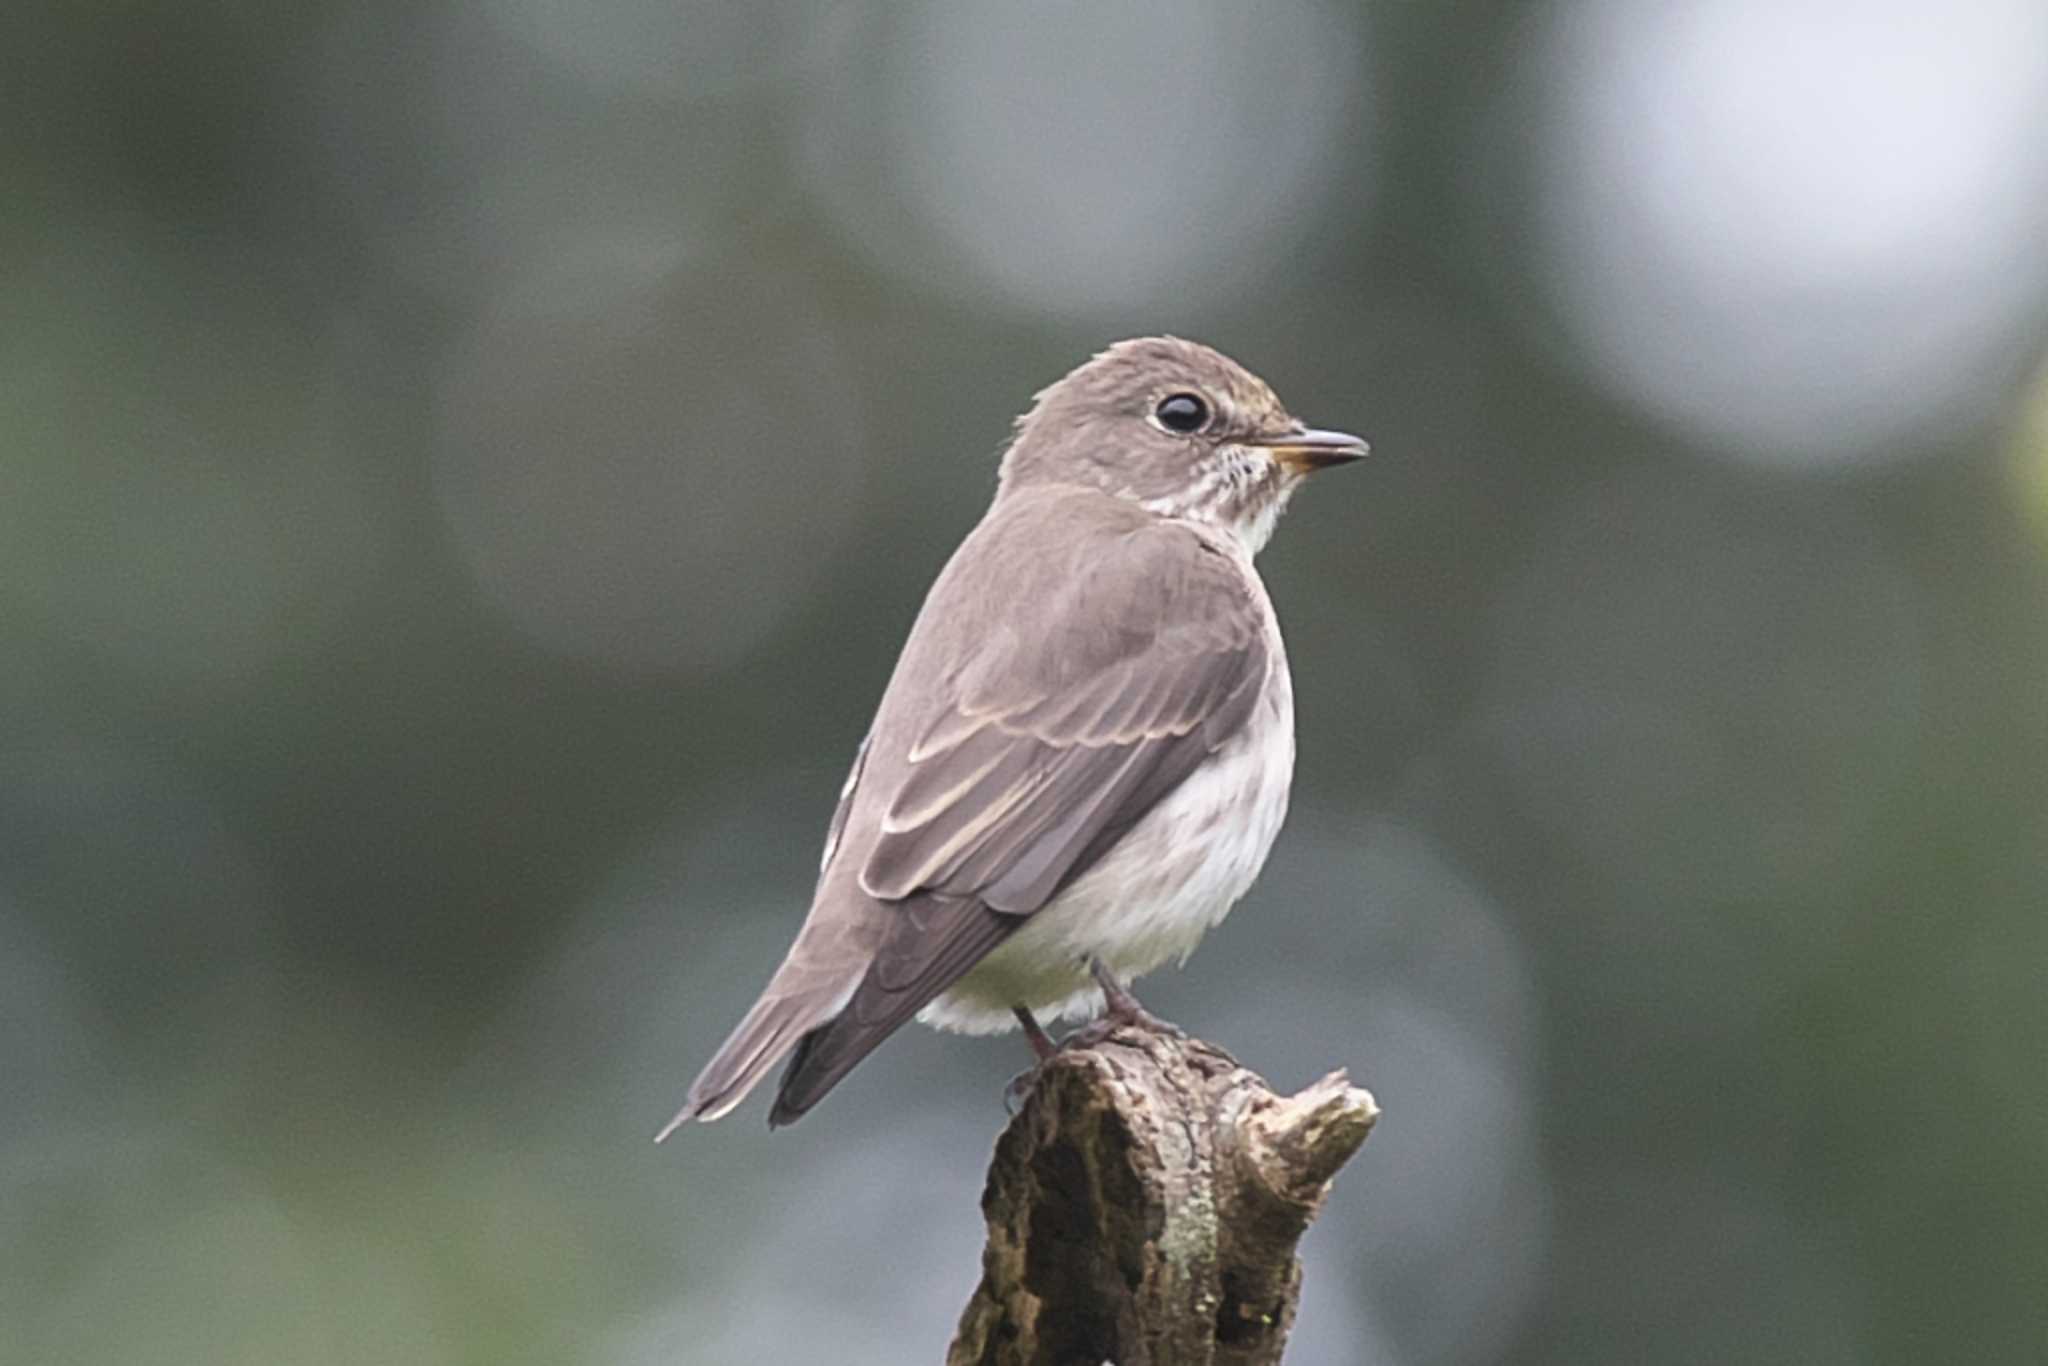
<point x="1119" y="1007"/>
<point x="1019" y="1088"/>
<point x="1119" y="1010"/>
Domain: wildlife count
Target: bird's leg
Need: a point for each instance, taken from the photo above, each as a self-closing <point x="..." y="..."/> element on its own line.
<point x="1042" y="1045"/>
<point x="1119" y="1008"/>
<point x="1042" y="1048"/>
<point x="1117" y="1002"/>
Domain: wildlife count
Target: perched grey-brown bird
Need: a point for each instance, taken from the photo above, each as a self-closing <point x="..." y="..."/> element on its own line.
<point x="1083" y="756"/>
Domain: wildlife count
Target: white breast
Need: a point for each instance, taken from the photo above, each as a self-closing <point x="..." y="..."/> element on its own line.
<point x="1157" y="892"/>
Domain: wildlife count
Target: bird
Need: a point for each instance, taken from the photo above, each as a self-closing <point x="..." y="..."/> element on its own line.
<point x="1083" y="755"/>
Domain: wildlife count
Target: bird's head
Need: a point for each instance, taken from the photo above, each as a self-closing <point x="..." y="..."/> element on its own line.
<point x="1178" y="428"/>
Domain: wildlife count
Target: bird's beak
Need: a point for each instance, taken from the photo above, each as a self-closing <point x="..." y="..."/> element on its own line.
<point x="1309" y="450"/>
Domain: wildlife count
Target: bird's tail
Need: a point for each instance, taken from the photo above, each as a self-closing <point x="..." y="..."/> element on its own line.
<point x="835" y="998"/>
<point x="776" y="1024"/>
<point x="930" y="944"/>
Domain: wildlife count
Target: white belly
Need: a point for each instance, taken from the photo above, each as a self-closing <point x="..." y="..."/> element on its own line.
<point x="1154" y="895"/>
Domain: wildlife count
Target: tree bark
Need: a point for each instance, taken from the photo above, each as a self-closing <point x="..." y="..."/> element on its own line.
<point x="1144" y="1205"/>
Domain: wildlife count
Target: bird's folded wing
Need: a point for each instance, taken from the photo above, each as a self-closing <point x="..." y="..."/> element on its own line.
<point x="1064" y="718"/>
<point x="1067" y="722"/>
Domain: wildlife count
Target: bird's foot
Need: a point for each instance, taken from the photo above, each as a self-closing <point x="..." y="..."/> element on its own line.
<point x="1020" y="1087"/>
<point x="1042" y="1048"/>
<point x="1119" y="1007"/>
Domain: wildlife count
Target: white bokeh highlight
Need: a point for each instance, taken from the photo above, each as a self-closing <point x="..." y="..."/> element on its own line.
<point x="1380" y="946"/>
<point x="1807" y="235"/>
<point x="1093" y="160"/>
<point x="526" y="146"/>
<point x="670" y="49"/>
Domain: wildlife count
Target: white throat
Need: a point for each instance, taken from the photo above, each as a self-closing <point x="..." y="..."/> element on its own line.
<point x="1241" y="491"/>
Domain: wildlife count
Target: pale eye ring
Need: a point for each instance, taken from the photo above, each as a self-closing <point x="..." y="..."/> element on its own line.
<point x="1184" y="414"/>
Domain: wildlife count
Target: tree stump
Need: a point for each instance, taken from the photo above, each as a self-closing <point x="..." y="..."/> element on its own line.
<point x="1144" y="1205"/>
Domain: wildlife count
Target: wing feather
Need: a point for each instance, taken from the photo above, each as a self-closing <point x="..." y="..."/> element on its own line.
<point x="1018" y="754"/>
<point x="1048" y="730"/>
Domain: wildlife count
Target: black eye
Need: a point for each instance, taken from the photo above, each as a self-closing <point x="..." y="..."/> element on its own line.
<point x="1182" y="413"/>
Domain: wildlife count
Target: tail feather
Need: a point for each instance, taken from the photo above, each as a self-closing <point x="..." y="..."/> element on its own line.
<point x="930" y="945"/>
<point x="776" y="1024"/>
<point x="835" y="1012"/>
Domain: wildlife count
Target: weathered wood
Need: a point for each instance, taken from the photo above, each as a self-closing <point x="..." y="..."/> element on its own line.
<point x="1144" y="1206"/>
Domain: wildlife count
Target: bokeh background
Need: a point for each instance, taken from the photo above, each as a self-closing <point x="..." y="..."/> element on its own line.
<point x="466" y="469"/>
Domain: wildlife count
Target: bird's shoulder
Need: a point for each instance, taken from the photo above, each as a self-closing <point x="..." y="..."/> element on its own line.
<point x="1071" y="579"/>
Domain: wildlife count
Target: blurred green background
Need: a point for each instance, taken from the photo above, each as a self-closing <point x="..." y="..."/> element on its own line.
<point x="466" y="469"/>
